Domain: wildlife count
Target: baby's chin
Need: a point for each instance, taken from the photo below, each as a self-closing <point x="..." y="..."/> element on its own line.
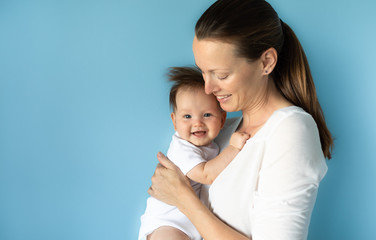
<point x="201" y="143"/>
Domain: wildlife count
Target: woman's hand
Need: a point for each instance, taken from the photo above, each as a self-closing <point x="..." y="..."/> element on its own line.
<point x="169" y="184"/>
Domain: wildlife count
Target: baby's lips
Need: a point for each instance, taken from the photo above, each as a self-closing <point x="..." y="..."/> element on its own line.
<point x="199" y="133"/>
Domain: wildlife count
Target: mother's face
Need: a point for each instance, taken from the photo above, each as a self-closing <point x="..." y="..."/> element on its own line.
<point x="235" y="81"/>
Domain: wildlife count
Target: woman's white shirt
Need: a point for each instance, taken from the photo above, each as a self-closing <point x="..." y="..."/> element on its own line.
<point x="269" y="189"/>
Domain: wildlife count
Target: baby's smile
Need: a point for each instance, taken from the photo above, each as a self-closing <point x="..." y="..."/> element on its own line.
<point x="199" y="133"/>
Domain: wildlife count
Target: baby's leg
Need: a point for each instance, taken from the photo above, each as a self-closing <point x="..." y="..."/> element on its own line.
<point x="168" y="233"/>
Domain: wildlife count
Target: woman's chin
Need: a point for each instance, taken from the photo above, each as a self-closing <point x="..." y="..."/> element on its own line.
<point x="228" y="108"/>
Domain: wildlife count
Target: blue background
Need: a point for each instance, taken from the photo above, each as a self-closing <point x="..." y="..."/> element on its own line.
<point x="84" y="110"/>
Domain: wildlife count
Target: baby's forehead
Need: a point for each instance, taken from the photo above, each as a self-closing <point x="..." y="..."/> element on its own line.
<point x="194" y="94"/>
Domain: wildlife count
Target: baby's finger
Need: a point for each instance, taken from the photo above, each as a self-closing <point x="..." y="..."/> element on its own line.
<point x="245" y="135"/>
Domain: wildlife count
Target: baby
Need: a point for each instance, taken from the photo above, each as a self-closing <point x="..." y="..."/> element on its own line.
<point x="197" y="119"/>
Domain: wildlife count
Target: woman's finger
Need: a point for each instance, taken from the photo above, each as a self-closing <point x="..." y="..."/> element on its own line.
<point x="165" y="161"/>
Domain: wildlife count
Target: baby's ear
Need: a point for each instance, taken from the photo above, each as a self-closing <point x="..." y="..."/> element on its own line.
<point x="173" y="120"/>
<point x="224" y="114"/>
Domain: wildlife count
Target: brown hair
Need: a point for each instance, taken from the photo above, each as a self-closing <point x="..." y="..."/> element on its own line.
<point x="253" y="26"/>
<point x="184" y="77"/>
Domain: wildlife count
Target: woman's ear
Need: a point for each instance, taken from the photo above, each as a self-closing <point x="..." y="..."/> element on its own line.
<point x="173" y="120"/>
<point x="269" y="60"/>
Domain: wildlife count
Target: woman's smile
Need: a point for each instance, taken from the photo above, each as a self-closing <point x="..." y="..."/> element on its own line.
<point x="223" y="98"/>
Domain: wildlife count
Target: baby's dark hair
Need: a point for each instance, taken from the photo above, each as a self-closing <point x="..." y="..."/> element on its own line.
<point x="184" y="77"/>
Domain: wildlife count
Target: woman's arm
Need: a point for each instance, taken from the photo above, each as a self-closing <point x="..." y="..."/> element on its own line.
<point x="292" y="168"/>
<point x="207" y="172"/>
<point x="171" y="186"/>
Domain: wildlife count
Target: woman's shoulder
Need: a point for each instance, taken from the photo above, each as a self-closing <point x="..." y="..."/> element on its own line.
<point x="292" y="112"/>
<point x="294" y="132"/>
<point x="293" y="140"/>
<point x="290" y="120"/>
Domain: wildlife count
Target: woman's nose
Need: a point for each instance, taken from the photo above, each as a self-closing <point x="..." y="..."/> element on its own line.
<point x="209" y="85"/>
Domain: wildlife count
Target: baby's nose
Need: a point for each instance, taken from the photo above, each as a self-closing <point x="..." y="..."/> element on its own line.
<point x="199" y="122"/>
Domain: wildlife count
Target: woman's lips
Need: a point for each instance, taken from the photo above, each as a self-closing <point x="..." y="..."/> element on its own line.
<point x="223" y="98"/>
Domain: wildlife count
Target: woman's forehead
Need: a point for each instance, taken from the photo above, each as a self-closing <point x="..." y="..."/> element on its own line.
<point x="211" y="55"/>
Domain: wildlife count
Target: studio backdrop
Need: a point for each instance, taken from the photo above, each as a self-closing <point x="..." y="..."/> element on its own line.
<point x="84" y="110"/>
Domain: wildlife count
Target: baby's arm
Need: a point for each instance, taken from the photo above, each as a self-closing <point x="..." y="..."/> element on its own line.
<point x="206" y="172"/>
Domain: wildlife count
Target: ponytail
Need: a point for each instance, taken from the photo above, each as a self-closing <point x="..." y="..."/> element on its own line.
<point x="292" y="76"/>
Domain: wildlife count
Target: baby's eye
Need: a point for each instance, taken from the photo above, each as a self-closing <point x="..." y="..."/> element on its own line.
<point x="208" y="115"/>
<point x="187" y="116"/>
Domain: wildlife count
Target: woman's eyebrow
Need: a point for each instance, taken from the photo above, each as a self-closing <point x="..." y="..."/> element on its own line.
<point x="210" y="70"/>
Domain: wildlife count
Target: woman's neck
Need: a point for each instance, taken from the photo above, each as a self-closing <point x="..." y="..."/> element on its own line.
<point x="257" y="115"/>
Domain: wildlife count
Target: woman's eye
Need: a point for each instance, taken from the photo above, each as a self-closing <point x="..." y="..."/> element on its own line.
<point x="187" y="116"/>
<point x="222" y="77"/>
<point x="207" y="115"/>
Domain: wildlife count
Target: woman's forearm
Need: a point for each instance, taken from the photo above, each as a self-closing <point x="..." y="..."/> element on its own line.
<point x="209" y="226"/>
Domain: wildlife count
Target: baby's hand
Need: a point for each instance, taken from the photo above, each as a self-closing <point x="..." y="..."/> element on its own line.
<point x="238" y="139"/>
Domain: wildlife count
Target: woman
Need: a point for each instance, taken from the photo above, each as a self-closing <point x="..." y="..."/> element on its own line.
<point x="253" y="62"/>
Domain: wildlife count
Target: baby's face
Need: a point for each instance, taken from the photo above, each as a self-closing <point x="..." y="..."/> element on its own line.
<point x="197" y="118"/>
